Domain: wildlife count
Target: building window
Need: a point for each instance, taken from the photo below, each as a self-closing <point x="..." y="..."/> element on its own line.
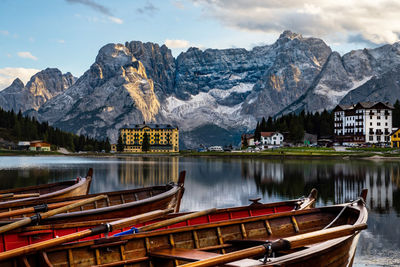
<point x="371" y="138"/>
<point x="370" y="117"/>
<point x="378" y="138"/>
<point x="370" y="124"/>
<point x="379" y="117"/>
<point x="378" y="123"/>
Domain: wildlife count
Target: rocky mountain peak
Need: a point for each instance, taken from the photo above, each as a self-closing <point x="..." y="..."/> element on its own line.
<point x="17" y="83"/>
<point x="159" y="64"/>
<point x="287" y="34"/>
<point x="42" y="86"/>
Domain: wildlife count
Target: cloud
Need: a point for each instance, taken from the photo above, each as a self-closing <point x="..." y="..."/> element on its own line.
<point x="27" y="54"/>
<point x="178" y="4"/>
<point x="8" y="75"/>
<point x="98" y="8"/>
<point x="116" y="20"/>
<point x="376" y="21"/>
<point x="176" y="43"/>
<point x="148" y="8"/>
<point x="4" y="32"/>
<point x="61" y="41"/>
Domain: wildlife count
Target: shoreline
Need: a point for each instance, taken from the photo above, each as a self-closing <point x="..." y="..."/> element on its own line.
<point x="280" y="154"/>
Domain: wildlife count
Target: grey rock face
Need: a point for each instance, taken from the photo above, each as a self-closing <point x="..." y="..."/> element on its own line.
<point x="114" y="92"/>
<point x="43" y="86"/>
<point x="342" y="75"/>
<point x="296" y="63"/>
<point x="159" y="64"/>
<point x="224" y="90"/>
<point x="385" y="88"/>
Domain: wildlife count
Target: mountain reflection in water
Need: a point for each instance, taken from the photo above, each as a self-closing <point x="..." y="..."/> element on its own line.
<point x="224" y="182"/>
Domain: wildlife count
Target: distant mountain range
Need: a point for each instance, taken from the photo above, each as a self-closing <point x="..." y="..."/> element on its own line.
<point x="211" y="95"/>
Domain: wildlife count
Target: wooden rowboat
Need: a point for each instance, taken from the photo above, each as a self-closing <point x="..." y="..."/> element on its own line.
<point x="51" y="228"/>
<point x="40" y="193"/>
<point x="306" y="242"/>
<point x="117" y="204"/>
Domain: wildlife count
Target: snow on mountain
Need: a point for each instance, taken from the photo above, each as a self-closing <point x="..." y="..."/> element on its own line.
<point x="211" y="95"/>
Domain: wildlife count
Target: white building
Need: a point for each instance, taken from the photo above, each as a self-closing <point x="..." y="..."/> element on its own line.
<point x="271" y="139"/>
<point x="364" y="122"/>
<point x="215" y="148"/>
<point x="248" y="140"/>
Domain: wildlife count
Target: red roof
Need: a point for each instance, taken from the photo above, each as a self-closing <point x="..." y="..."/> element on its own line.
<point x="267" y="134"/>
<point x="39" y="144"/>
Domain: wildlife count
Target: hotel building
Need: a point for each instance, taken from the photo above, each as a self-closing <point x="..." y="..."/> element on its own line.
<point x="162" y="137"/>
<point x="364" y="122"/>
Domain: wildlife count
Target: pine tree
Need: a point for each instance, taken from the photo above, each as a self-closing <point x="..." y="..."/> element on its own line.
<point x="263" y="125"/>
<point x="396" y="114"/>
<point x="107" y="145"/>
<point x="120" y="145"/>
<point x="145" y="143"/>
<point x="257" y="133"/>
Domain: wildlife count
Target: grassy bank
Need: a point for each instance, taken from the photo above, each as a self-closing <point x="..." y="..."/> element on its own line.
<point x="295" y="152"/>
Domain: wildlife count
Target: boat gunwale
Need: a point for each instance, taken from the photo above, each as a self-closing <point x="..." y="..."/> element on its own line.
<point x="323" y="246"/>
<point x="42" y="198"/>
<point x="191" y="227"/>
<point x="36" y="201"/>
<point x="170" y="192"/>
<point x="223" y="210"/>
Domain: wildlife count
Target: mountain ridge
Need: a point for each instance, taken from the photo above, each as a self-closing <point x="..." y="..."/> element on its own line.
<point x="227" y="88"/>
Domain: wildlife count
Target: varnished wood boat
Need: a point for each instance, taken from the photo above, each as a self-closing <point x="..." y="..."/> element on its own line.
<point x="40" y="193"/>
<point x="180" y="245"/>
<point x="117" y="204"/>
<point x="52" y="228"/>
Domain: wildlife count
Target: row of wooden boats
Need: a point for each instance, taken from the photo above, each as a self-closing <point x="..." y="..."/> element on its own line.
<point x="61" y="225"/>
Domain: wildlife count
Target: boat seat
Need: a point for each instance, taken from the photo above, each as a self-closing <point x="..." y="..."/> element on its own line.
<point x="195" y="255"/>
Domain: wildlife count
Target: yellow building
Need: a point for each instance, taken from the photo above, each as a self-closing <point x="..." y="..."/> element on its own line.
<point x="162" y="137"/>
<point x="395" y="138"/>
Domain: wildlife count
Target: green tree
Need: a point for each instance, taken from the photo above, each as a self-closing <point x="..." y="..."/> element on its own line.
<point x="245" y="144"/>
<point x="120" y="145"/>
<point x="257" y="133"/>
<point x="396" y="114"/>
<point x="107" y="146"/>
<point x="145" y="143"/>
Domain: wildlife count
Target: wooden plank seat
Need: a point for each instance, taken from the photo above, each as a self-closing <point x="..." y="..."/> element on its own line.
<point x="191" y="255"/>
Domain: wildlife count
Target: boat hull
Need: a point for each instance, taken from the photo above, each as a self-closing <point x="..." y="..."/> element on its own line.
<point x="78" y="187"/>
<point x="146" y="249"/>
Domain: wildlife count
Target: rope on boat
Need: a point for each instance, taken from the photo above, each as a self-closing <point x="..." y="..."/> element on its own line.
<point x="343" y="209"/>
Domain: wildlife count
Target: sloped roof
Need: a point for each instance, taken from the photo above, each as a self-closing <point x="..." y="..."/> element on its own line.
<point x="247" y="136"/>
<point x="151" y="126"/>
<point x="268" y="134"/>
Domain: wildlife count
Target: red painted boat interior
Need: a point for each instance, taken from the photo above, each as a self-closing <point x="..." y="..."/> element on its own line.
<point x="13" y="240"/>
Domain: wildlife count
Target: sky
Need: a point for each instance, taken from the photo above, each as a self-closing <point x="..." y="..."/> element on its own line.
<point x="67" y="34"/>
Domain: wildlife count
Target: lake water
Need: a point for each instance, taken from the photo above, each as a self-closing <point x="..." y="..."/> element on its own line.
<point x="225" y="182"/>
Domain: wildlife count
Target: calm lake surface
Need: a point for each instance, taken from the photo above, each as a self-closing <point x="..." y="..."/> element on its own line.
<point x="224" y="182"/>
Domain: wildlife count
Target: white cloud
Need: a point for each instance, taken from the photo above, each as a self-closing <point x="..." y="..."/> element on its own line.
<point x="61" y="41"/>
<point x="375" y="21"/>
<point x="27" y="54"/>
<point x="8" y="75"/>
<point x="176" y="43"/>
<point x="116" y="20"/>
<point x="3" y="32"/>
<point x="178" y="4"/>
